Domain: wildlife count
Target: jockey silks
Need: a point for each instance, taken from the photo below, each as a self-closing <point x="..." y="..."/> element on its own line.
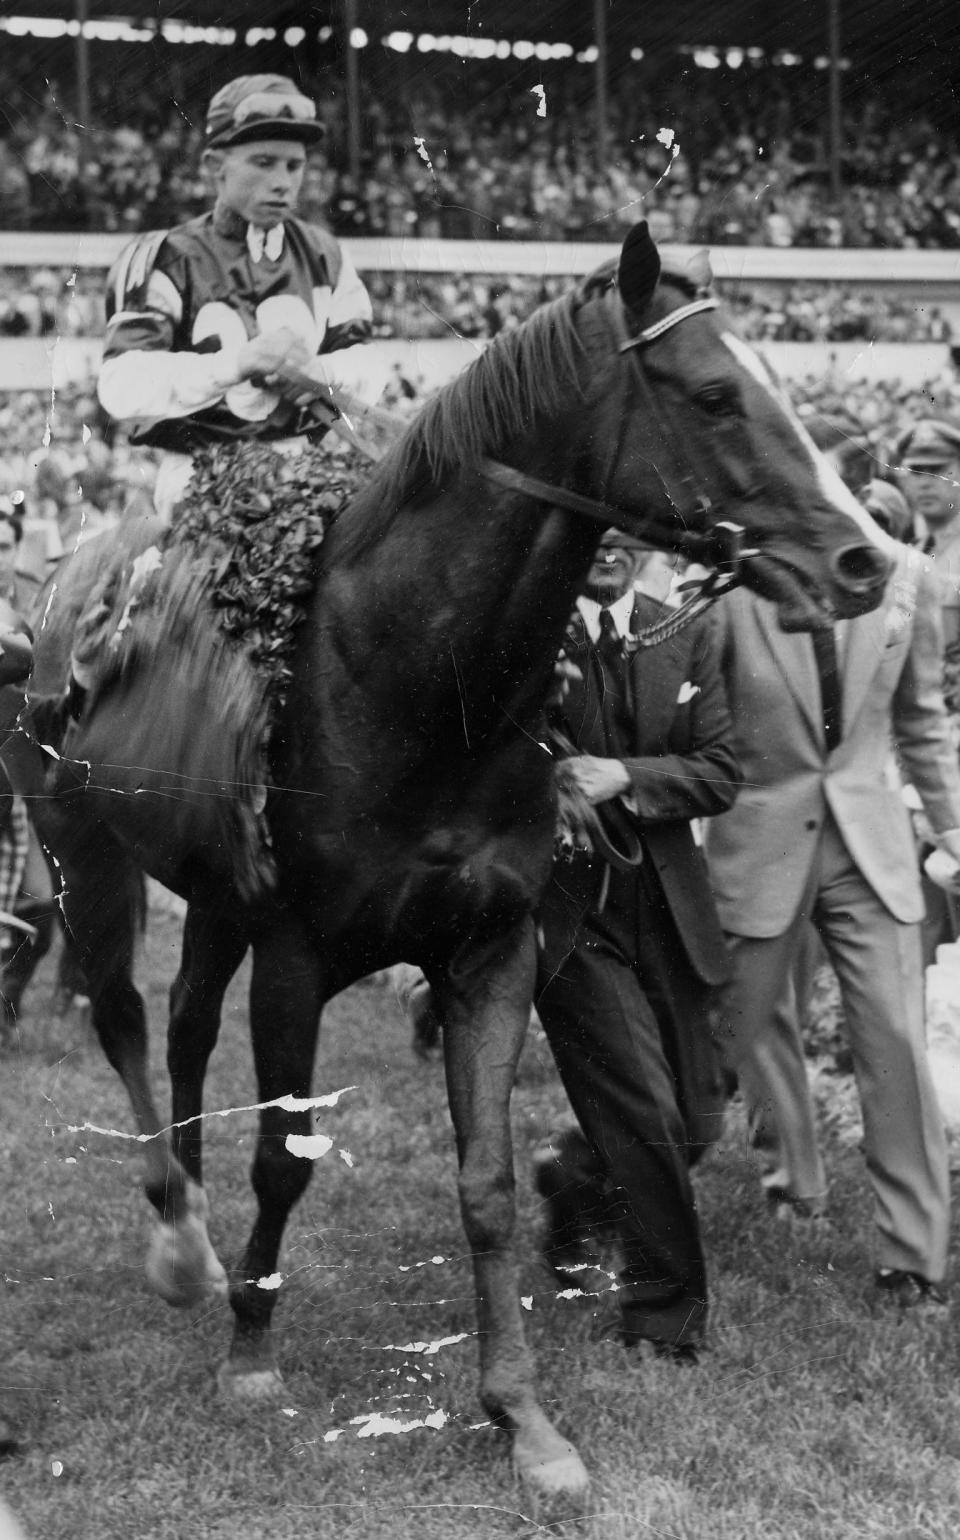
<point x="193" y="296"/>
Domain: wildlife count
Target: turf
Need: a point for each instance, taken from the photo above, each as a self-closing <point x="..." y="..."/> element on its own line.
<point x="816" y="1415"/>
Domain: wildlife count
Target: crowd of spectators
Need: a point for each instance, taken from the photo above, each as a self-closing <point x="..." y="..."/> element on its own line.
<point x="721" y="156"/>
<point x="69" y="302"/>
<point x="715" y="156"/>
<point x="74" y="475"/>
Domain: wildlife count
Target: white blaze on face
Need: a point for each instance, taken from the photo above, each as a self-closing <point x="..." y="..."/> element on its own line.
<point x="835" y="492"/>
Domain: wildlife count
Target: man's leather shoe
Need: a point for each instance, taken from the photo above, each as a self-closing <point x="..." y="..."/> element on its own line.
<point x="911" y="1291"/>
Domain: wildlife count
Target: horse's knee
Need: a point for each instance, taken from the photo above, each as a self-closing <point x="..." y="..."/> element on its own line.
<point x="279" y="1177"/>
<point x="488" y="1206"/>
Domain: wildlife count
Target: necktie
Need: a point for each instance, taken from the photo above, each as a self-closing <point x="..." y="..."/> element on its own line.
<point x="613" y="683"/>
<point x="267" y="243"/>
<point x="825" y="652"/>
<point x="609" y="646"/>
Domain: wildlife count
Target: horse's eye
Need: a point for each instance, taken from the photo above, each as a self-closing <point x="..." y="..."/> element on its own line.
<point x="719" y="400"/>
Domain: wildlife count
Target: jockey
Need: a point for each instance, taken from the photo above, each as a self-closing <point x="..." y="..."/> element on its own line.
<point x="200" y="317"/>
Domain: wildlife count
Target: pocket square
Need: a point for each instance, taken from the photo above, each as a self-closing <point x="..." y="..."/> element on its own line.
<point x="687" y="692"/>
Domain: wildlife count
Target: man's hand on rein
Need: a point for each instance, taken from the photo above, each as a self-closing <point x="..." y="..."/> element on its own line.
<point x="598" y="779"/>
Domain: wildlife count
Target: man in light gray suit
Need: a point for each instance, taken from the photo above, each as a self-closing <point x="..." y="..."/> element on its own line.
<point x="820" y="832"/>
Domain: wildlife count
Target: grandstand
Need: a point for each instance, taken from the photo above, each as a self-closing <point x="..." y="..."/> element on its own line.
<point x="486" y="151"/>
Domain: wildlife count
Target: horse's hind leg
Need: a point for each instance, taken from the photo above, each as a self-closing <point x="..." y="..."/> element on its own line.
<point x="182" y="1265"/>
<point x="214" y="943"/>
<point x="286" y="995"/>
<point x="485" y="1016"/>
<point x="102" y="898"/>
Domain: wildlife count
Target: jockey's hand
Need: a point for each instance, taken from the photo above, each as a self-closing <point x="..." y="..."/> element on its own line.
<point x="262" y="356"/>
<point x="598" y="779"/>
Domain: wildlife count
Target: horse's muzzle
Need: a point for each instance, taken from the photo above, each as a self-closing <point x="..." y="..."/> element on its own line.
<point x="860" y="574"/>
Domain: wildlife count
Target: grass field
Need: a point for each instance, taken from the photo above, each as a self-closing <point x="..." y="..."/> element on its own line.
<point x="815" y="1416"/>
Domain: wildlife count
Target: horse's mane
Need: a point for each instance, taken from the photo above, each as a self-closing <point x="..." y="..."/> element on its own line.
<point x="524" y="375"/>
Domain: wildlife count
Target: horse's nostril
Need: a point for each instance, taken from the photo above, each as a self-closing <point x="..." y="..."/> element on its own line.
<point x="859" y="568"/>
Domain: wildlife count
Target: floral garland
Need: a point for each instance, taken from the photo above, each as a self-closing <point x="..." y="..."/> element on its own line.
<point x="256" y="518"/>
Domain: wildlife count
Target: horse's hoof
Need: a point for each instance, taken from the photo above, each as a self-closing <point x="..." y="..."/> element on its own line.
<point x="176" y="1278"/>
<point x="250" y="1386"/>
<point x="564" y="1477"/>
<point x="550" y="1467"/>
<point x="182" y="1266"/>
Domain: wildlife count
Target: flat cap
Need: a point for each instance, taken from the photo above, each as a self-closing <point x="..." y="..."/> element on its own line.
<point x="260" y="107"/>
<point x="929" y="442"/>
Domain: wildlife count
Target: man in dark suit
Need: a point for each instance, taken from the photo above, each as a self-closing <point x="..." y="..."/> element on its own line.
<point x="629" y="957"/>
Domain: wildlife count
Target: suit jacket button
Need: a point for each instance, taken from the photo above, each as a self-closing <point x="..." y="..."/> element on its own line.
<point x="811" y="823"/>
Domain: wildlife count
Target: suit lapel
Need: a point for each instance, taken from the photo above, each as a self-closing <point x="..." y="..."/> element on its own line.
<point x="655" y="690"/>
<point x="862" y="655"/>
<point x="794" y="658"/>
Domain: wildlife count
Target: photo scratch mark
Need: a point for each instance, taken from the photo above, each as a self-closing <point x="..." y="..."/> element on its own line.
<point x="412" y="1267"/>
<point x="308" y="1146"/>
<point x="285" y="1103"/>
<point x="542" y="104"/>
<point x="377" y="1425"/>
<point x="422" y="151"/>
<point x="428" y="1349"/>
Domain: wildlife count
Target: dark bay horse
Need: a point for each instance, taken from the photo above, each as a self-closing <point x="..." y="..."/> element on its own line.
<point x="411" y="810"/>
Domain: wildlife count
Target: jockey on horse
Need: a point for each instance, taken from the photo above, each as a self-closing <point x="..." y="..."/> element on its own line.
<point x="201" y="317"/>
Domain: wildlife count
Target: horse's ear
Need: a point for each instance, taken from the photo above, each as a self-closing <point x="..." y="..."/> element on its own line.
<point x="639" y="269"/>
<point x="699" y="270"/>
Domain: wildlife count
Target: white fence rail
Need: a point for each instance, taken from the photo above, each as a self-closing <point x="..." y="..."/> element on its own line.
<point x="50" y="363"/>
<point x="546" y="258"/>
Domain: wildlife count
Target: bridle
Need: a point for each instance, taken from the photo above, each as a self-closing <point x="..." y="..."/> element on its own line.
<point x="721" y="548"/>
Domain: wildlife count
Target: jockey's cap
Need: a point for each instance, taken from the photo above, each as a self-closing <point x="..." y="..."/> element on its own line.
<point x="260" y="107"/>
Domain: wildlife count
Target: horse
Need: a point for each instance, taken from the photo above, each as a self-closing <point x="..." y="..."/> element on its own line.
<point x="411" y="803"/>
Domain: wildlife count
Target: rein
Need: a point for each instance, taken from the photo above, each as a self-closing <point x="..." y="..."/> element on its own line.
<point x="372" y="430"/>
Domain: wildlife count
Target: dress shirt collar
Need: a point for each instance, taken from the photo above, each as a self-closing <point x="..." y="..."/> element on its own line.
<point x="258" y="242"/>
<point x="265" y="243"/>
<point x="621" y="613"/>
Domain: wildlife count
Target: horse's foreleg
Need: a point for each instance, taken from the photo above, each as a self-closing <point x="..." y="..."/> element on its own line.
<point x="182" y="1265"/>
<point x="286" y="995"/>
<point x="485" y="1021"/>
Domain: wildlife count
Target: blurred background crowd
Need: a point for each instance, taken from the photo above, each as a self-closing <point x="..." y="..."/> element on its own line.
<point x="68" y="302"/>
<point x="75" y="474"/>
<point x="721" y="156"/>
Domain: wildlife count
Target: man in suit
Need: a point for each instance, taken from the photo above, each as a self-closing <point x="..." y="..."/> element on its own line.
<point x="820" y="832"/>
<point x="629" y="957"/>
<point x="927" y="457"/>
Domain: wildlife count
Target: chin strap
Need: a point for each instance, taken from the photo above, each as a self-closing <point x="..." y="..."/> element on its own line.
<point x="726" y="554"/>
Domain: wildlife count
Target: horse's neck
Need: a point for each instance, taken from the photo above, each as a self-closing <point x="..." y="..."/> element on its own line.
<point x="487" y="583"/>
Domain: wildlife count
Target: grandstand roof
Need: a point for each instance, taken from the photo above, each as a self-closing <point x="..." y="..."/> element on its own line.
<point x="884" y="30"/>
